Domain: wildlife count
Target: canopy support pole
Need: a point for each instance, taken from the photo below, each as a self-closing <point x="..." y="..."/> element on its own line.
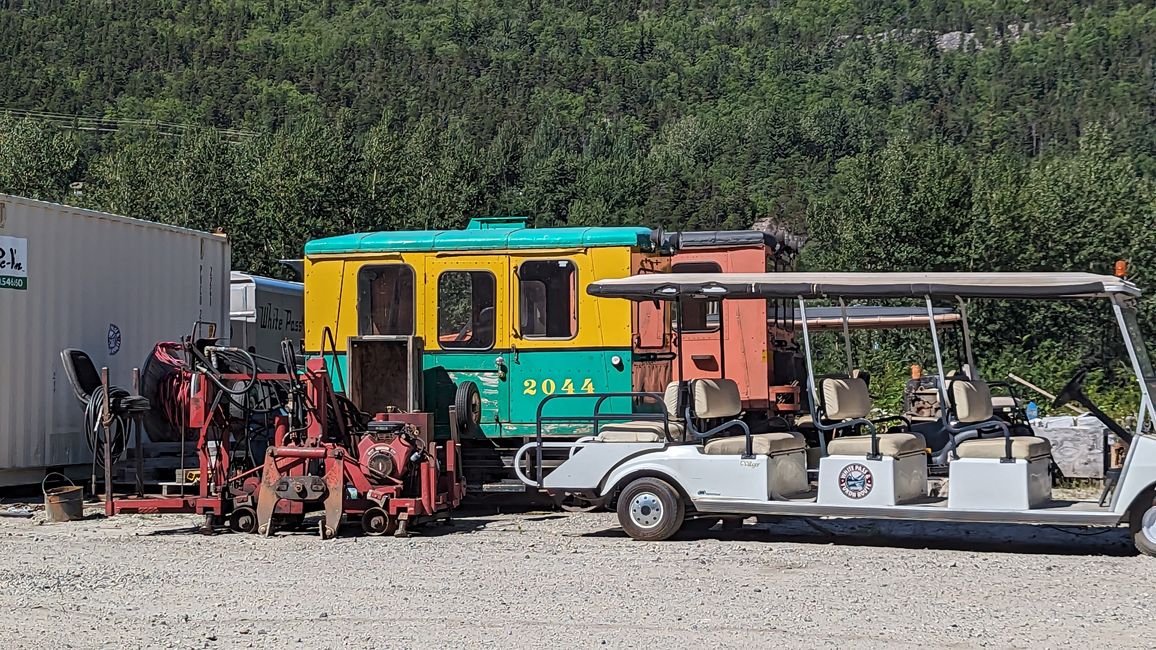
<point x="847" y="336"/>
<point x="811" y="388"/>
<point x="938" y="359"/>
<point x="972" y="369"/>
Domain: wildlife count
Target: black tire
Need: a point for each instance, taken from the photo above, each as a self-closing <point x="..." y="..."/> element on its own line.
<point x="1144" y="523"/>
<point x="468" y="406"/>
<point x="650" y="510"/>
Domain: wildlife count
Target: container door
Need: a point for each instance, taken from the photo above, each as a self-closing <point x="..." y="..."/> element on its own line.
<point x="470" y="313"/>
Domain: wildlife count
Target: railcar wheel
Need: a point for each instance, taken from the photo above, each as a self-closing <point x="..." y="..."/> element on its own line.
<point x="243" y="520"/>
<point x="377" y="522"/>
<point x="1144" y="524"/>
<point x="649" y="509"/>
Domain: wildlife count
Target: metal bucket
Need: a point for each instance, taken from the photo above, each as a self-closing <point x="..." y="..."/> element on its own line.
<point x="63" y="503"/>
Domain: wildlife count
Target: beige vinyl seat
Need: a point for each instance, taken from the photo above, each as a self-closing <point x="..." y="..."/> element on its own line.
<point x="648" y="430"/>
<point x="972" y="405"/>
<point x="845" y="399"/>
<point x="718" y="399"/>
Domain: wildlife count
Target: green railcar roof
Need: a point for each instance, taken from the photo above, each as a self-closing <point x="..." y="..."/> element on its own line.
<point x="481" y="235"/>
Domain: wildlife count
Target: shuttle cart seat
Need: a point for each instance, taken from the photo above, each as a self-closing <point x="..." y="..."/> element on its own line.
<point x="851" y="474"/>
<point x="1004" y="473"/>
<point x="648" y="430"/>
<point x="973" y="407"/>
<point x="846" y="399"/>
<point x="718" y="400"/>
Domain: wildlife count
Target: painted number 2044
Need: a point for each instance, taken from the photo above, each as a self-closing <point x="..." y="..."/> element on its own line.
<point x="549" y="386"/>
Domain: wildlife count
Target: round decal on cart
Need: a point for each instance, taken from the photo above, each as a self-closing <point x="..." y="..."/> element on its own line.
<point x="856" y="481"/>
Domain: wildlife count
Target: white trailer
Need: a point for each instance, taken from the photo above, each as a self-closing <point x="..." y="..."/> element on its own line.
<point x="109" y="285"/>
<point x="699" y="458"/>
<point x="265" y="311"/>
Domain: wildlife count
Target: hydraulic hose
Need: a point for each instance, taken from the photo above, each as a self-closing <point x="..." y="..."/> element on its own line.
<point x="121" y="409"/>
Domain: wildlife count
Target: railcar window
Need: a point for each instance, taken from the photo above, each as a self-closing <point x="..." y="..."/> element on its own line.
<point x="466" y="301"/>
<point x="547" y="304"/>
<point x="697" y="315"/>
<point x="385" y="300"/>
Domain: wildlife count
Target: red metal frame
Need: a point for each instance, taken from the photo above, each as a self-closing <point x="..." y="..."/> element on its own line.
<point x="320" y="456"/>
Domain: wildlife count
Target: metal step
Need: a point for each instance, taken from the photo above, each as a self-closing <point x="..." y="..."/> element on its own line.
<point x="507" y="486"/>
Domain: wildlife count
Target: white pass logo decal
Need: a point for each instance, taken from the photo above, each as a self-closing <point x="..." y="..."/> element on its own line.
<point x="856" y="481"/>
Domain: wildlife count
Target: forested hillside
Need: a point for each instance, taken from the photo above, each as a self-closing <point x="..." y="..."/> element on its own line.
<point x="981" y="134"/>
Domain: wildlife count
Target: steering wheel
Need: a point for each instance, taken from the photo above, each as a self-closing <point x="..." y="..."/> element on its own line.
<point x="1072" y="389"/>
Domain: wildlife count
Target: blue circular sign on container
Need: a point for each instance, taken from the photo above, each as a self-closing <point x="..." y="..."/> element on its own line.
<point x="113" y="339"/>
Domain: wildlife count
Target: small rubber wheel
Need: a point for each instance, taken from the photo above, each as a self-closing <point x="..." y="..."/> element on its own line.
<point x="243" y="520"/>
<point x="468" y="406"/>
<point x="1144" y="524"/>
<point x="649" y="509"/>
<point x="377" y="522"/>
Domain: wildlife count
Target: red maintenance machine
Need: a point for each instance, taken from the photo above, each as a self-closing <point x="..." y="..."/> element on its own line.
<point x="273" y="447"/>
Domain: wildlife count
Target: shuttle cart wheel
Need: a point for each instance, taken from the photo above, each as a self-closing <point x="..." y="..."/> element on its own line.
<point x="649" y="509"/>
<point x="1144" y="524"/>
<point x="377" y="522"/>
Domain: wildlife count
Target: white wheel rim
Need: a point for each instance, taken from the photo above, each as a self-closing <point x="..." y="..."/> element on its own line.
<point x="646" y="510"/>
<point x="1148" y="525"/>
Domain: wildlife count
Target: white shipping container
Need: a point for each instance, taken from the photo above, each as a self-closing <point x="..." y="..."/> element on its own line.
<point x="108" y="285"/>
<point x="265" y="311"/>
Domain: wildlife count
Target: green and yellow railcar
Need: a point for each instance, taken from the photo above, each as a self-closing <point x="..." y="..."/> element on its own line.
<point x="498" y="304"/>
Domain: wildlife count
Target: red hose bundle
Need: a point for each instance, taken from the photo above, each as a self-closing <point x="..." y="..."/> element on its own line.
<point x="165" y="381"/>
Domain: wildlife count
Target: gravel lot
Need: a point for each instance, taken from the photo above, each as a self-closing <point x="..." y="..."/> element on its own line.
<point x="549" y="579"/>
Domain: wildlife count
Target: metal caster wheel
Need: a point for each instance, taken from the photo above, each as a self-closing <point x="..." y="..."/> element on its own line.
<point x="377" y="522"/>
<point x="243" y="520"/>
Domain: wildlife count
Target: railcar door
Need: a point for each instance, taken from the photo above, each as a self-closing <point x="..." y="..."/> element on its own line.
<point x="468" y="339"/>
<point x="565" y="342"/>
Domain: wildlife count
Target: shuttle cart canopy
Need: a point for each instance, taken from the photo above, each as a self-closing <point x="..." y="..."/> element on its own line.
<point x="868" y="285"/>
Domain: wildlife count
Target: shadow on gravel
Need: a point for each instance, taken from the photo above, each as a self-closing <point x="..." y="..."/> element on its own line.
<point x="879" y="533"/>
<point x="309" y="527"/>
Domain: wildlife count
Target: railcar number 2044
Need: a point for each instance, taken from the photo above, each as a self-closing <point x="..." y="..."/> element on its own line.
<point x="550" y="386"/>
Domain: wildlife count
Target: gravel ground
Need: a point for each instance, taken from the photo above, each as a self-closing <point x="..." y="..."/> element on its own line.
<point x="570" y="580"/>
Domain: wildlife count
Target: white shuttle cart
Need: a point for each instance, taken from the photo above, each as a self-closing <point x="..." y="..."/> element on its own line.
<point x="697" y="458"/>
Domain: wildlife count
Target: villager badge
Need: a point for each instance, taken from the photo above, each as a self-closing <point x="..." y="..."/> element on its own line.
<point x="856" y="481"/>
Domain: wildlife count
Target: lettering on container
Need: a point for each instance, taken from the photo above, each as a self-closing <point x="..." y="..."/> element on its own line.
<point x="271" y="317"/>
<point x="13" y="263"/>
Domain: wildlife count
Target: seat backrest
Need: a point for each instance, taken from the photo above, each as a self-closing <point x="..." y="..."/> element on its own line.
<point x="81" y="373"/>
<point x="970" y="401"/>
<point x="670" y="401"/>
<point x="844" y="398"/>
<point x="716" y="398"/>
